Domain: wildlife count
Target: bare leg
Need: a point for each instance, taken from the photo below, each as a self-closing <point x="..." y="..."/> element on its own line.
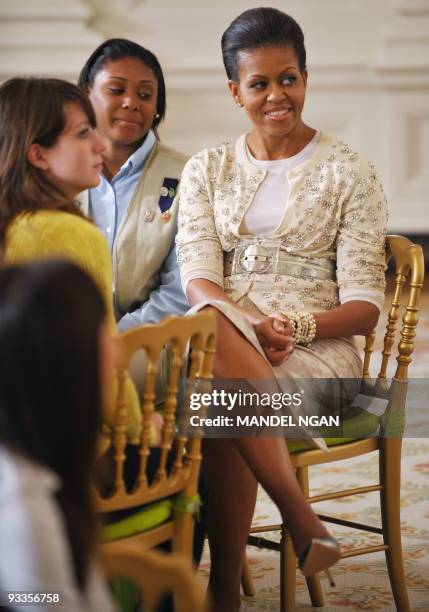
<point x="232" y="497"/>
<point x="268" y="461"/>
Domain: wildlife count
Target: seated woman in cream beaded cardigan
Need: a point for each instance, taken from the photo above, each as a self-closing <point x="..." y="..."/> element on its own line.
<point x="283" y="233"/>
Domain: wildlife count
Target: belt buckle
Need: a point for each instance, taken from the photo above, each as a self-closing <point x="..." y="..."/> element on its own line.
<point x="255" y="258"/>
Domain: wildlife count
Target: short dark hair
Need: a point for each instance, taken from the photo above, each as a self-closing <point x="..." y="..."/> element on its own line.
<point x="50" y="398"/>
<point x="257" y="28"/>
<point x="116" y="49"/>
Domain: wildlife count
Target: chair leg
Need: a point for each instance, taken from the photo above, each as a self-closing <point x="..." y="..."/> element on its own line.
<point x="313" y="582"/>
<point x="287" y="573"/>
<point x="390" y="472"/>
<point x="183" y="537"/>
<point x="246" y="578"/>
<point x="315" y="591"/>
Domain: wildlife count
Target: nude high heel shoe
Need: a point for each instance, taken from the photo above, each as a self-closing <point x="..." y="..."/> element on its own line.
<point x="321" y="554"/>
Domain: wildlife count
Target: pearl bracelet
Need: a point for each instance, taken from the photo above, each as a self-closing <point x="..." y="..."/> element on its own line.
<point x="303" y="326"/>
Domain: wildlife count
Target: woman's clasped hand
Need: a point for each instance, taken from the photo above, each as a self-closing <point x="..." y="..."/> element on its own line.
<point x="275" y="336"/>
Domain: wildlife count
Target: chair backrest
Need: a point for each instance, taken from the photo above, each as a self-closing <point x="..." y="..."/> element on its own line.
<point x="191" y="343"/>
<point x="156" y="574"/>
<point x="409" y="265"/>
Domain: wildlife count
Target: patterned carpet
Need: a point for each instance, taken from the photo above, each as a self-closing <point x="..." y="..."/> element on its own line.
<point x="361" y="582"/>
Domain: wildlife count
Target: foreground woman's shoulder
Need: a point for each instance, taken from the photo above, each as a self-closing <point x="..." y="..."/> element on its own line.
<point x="58" y="229"/>
<point x="67" y="222"/>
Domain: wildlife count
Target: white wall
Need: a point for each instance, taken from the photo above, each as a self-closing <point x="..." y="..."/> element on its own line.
<point x="368" y="62"/>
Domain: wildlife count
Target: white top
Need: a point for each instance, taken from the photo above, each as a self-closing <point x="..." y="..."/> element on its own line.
<point x="34" y="549"/>
<point x="271" y="201"/>
<point x="272" y="196"/>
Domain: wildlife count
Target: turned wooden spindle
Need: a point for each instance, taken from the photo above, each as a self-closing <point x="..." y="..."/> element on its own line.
<point x="120" y="435"/>
<point x="411" y="315"/>
<point x="392" y="319"/>
<point x="147" y="411"/>
<point x="368" y="350"/>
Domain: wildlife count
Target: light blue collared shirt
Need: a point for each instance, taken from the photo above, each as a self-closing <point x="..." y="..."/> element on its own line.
<point x="108" y="203"/>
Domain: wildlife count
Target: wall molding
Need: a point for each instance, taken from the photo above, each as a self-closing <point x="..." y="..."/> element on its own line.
<point x="368" y="72"/>
<point x="45" y="37"/>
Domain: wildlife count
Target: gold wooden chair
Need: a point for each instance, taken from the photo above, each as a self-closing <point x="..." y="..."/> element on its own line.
<point x="409" y="263"/>
<point x="160" y="508"/>
<point x="156" y="574"/>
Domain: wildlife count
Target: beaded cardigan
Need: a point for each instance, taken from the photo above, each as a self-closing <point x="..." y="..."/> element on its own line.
<point x="337" y="213"/>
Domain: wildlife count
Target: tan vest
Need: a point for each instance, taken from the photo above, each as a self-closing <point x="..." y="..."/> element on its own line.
<point x="144" y="237"/>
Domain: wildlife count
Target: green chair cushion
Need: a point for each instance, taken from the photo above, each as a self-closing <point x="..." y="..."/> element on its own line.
<point x="296" y="446"/>
<point x="393" y="424"/>
<point x="357" y="424"/>
<point x="124" y="591"/>
<point x="126" y="594"/>
<point x="148" y="517"/>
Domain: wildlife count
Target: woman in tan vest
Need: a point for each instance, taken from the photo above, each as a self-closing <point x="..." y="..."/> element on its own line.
<point x="134" y="204"/>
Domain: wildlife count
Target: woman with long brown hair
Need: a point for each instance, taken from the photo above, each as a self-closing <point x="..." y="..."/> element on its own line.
<point x="49" y="153"/>
<point x="54" y="355"/>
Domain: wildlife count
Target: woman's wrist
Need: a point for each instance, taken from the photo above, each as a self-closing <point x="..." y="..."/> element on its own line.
<point x="303" y="327"/>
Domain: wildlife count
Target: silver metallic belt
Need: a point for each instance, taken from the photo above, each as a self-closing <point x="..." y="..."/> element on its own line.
<point x="255" y="258"/>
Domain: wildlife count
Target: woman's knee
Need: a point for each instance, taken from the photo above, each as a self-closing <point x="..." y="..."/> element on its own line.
<point x="228" y="337"/>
